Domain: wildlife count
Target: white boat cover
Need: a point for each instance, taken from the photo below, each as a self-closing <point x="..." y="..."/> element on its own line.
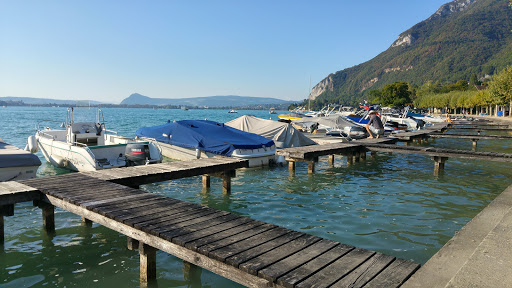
<point x="12" y="156"/>
<point x="283" y="134"/>
<point x="332" y="121"/>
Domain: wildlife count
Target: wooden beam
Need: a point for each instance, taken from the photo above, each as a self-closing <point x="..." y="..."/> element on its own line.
<point x="206" y="181"/>
<point x="147" y="262"/>
<point x="331" y="160"/>
<point x="132" y="244"/>
<point x="195" y="258"/>
<point x="291" y="166"/>
<point x="226" y="183"/>
<point x="311" y="167"/>
<point x="86" y="222"/>
<point x="48" y="217"/>
<point x="439" y="164"/>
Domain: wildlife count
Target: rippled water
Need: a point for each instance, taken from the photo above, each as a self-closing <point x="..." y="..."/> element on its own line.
<point x="393" y="204"/>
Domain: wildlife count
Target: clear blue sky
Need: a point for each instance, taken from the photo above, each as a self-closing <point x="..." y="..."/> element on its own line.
<point x="107" y="50"/>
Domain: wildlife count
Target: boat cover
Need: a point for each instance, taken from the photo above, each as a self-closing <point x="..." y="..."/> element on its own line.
<point x="333" y="121"/>
<point x="204" y="135"/>
<point x="283" y="134"/>
<point x="12" y="156"/>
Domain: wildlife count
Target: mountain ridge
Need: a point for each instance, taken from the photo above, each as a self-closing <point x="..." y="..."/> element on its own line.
<point x="461" y="38"/>
<point x="209" y="101"/>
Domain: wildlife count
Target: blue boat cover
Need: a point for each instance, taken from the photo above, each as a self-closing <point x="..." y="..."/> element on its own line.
<point x="204" y="135"/>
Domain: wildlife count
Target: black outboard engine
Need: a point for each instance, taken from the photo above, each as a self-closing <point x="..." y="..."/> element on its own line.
<point x="136" y="154"/>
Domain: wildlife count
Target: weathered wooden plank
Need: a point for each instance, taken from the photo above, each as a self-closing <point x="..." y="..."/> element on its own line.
<point x="194" y="245"/>
<point x="172" y="216"/>
<point x="298" y="259"/>
<point x="172" y="222"/>
<point x="364" y="273"/>
<point x="293" y="277"/>
<point x="246" y="234"/>
<point x="338" y="269"/>
<point x="173" y="210"/>
<point x="120" y="199"/>
<point x="225" y="252"/>
<point x="196" y="236"/>
<point x="167" y="231"/>
<point x="259" y="262"/>
<point x="206" y="224"/>
<point x="395" y="274"/>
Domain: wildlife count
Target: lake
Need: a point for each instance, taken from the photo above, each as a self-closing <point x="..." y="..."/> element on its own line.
<point x="393" y="204"/>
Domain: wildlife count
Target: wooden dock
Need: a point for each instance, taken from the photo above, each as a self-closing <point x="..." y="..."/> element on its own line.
<point x="250" y="252"/>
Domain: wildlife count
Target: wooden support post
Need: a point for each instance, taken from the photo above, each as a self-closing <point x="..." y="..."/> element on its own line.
<point x="226" y="182"/>
<point x="291" y="167"/>
<point x="315" y="159"/>
<point x="406" y="143"/>
<point x="475" y="141"/>
<point x="439" y="164"/>
<point x="5" y="210"/>
<point x="363" y="156"/>
<point x="350" y="158"/>
<point x="311" y="167"/>
<point x="357" y="155"/>
<point x="147" y="262"/>
<point x="132" y="243"/>
<point x="48" y="217"/>
<point x="192" y="273"/>
<point x="331" y="160"/>
<point x="86" y="222"/>
<point x="206" y="181"/>
<point x="373" y="155"/>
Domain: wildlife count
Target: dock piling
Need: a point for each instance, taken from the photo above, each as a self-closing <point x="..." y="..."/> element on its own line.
<point x="5" y="210"/>
<point x="147" y="262"/>
<point x="311" y="167"/>
<point x="48" y="211"/>
<point x="132" y="244"/>
<point x="331" y="160"/>
<point x="439" y="164"/>
<point x="206" y="181"/>
<point x="475" y="141"/>
<point x="291" y="166"/>
<point x="226" y="182"/>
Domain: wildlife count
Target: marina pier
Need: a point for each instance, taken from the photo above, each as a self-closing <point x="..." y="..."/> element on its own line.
<point x="250" y="252"/>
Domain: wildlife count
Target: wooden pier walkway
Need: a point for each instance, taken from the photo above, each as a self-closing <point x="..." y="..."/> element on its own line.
<point x="250" y="252"/>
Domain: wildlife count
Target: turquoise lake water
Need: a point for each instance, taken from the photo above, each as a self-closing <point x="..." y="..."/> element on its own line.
<point x="393" y="204"/>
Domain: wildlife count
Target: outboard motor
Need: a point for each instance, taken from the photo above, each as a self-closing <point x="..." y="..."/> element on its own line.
<point x="136" y="154"/>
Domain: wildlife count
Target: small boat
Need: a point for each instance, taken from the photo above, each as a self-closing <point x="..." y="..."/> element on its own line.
<point x="272" y="111"/>
<point x="283" y="134"/>
<point x="17" y="164"/>
<point x="86" y="146"/>
<point x="194" y="139"/>
<point x="233" y="111"/>
<point x="334" y="125"/>
<point x="184" y="108"/>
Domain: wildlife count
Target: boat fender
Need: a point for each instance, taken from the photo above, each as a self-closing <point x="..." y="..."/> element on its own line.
<point x="198" y="153"/>
<point x="32" y="144"/>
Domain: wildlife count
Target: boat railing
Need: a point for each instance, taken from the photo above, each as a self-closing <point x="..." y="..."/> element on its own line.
<point x="47" y="135"/>
<point x="111" y="131"/>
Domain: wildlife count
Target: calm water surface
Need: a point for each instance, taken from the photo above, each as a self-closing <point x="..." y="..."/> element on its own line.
<point x="393" y="204"/>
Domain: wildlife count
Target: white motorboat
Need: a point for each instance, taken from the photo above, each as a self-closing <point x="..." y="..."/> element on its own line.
<point x="17" y="164"/>
<point x="86" y="146"/>
<point x="194" y="139"/>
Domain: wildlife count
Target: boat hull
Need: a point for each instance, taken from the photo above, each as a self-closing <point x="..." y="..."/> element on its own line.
<point x="16" y="173"/>
<point x="81" y="158"/>
<point x="256" y="158"/>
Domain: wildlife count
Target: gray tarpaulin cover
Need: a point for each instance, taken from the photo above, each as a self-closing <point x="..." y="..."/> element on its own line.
<point x="12" y="156"/>
<point x="283" y="134"/>
<point x="333" y="121"/>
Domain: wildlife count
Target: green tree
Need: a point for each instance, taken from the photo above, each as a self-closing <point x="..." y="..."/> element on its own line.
<point x="396" y="94"/>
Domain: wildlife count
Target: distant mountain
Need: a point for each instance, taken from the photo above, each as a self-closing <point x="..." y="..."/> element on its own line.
<point x="42" y="101"/>
<point x="210" y="101"/>
<point x="461" y="38"/>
